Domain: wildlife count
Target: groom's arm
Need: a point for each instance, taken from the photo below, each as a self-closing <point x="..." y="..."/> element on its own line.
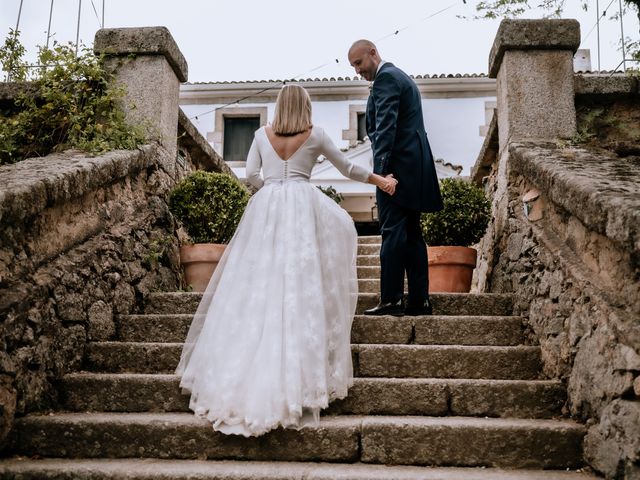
<point x="386" y="97"/>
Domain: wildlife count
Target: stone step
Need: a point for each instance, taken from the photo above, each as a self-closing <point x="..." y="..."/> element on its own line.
<point x="437" y="441"/>
<point x="369" y="239"/>
<point x="369" y="285"/>
<point x="399" y="361"/>
<point x="463" y="441"/>
<point x="443" y="303"/>
<point x="368" y="260"/>
<point x="158" y="469"/>
<point x="369" y="272"/>
<point x="438" y="330"/>
<point x="369" y="249"/>
<point x="369" y="396"/>
<point x="427" y="330"/>
<point x="439" y="361"/>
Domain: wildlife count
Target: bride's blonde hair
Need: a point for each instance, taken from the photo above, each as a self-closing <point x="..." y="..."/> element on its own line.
<point x="293" y="111"/>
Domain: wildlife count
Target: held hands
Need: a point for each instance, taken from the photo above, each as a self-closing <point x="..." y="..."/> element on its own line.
<point x="388" y="184"/>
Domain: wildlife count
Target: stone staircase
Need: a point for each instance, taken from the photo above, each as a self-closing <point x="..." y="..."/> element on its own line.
<point x="453" y="396"/>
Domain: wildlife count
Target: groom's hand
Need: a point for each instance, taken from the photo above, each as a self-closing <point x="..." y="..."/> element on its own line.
<point x="390" y="187"/>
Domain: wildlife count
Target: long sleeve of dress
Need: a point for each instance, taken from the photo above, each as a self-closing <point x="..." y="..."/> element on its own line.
<point x="254" y="162"/>
<point x="344" y="166"/>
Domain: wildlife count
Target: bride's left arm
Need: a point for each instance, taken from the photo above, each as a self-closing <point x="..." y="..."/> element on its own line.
<point x="353" y="171"/>
<point x="344" y="166"/>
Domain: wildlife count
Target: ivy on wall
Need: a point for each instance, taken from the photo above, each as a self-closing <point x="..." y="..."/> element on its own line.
<point x="72" y="103"/>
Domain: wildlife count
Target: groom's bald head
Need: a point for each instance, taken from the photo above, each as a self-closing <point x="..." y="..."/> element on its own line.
<point x="364" y="58"/>
<point x="366" y="44"/>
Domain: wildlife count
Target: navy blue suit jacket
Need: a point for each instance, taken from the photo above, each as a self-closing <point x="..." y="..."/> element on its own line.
<point x="395" y="126"/>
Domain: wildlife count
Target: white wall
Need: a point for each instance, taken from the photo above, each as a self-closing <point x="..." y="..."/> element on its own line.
<point x="205" y="122"/>
<point x="452" y="124"/>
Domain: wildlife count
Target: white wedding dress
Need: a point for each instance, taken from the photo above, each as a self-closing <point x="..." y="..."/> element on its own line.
<point x="269" y="345"/>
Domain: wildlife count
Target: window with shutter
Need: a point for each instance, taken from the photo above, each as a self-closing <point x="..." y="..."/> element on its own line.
<point x="238" y="135"/>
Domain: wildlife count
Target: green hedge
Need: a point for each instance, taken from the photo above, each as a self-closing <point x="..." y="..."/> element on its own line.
<point x="209" y="205"/>
<point x="464" y="218"/>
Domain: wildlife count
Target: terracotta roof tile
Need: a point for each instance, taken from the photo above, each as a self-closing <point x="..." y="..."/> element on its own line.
<point x="341" y="79"/>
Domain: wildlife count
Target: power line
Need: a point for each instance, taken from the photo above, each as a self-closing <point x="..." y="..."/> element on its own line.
<point x="419" y="21"/>
<point x="281" y="83"/>
<point x="624" y="55"/>
<point x="278" y="85"/>
<point x="96" y="14"/>
<point x="19" y="14"/>
<point x="600" y="16"/>
<point x="614" y="71"/>
<point x="78" y="27"/>
<point x="15" y="35"/>
<point x="49" y="27"/>
<point x="597" y="24"/>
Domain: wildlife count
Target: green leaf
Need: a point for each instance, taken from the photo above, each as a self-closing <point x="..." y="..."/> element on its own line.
<point x="464" y="218"/>
<point x="209" y="205"/>
<point x="74" y="105"/>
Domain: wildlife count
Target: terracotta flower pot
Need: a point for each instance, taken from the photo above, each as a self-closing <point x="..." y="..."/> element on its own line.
<point x="199" y="261"/>
<point x="451" y="268"/>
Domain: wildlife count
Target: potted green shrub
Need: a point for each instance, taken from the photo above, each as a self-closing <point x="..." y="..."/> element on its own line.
<point x="332" y="193"/>
<point x="209" y="207"/>
<point x="450" y="233"/>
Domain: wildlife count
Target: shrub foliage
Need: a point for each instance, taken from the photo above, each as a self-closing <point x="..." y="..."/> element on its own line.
<point x="332" y="193"/>
<point x="209" y="205"/>
<point x="72" y="104"/>
<point x="464" y="218"/>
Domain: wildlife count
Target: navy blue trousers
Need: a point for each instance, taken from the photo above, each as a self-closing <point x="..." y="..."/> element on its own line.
<point x="403" y="250"/>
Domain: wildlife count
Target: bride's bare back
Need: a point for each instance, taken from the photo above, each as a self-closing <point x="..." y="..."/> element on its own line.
<point x="286" y="146"/>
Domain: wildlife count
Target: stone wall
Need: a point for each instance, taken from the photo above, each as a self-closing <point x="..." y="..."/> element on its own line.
<point x="572" y="257"/>
<point x="197" y="152"/>
<point x="565" y="232"/>
<point x="81" y="240"/>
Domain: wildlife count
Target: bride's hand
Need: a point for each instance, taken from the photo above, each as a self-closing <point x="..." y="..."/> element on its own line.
<point x="390" y="184"/>
<point x="386" y="184"/>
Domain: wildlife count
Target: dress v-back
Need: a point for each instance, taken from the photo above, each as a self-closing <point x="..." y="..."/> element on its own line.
<point x="300" y="164"/>
<point x="269" y="345"/>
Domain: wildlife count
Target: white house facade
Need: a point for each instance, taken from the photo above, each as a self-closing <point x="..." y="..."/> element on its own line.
<point x="456" y="109"/>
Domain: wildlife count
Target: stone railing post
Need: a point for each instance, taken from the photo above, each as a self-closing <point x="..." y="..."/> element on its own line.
<point x="533" y="63"/>
<point x="149" y="64"/>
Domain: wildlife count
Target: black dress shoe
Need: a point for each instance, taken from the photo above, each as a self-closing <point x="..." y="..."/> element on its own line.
<point x="392" y="308"/>
<point x="420" y="309"/>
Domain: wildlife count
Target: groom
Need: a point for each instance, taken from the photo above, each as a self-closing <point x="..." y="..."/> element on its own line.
<point x="395" y="127"/>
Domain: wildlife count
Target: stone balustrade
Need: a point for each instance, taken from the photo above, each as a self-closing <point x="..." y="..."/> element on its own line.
<point x="83" y="239"/>
<point x="86" y="238"/>
<point x="565" y="235"/>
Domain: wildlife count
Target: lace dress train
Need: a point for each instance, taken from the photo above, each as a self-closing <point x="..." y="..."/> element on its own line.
<point x="269" y="345"/>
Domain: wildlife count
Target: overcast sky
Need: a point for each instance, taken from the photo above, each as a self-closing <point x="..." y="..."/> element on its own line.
<point x="282" y="39"/>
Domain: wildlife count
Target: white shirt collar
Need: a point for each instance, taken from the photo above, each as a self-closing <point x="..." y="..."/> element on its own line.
<point x="382" y="62"/>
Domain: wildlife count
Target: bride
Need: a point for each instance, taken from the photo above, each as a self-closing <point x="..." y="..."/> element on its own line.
<point x="269" y="345"/>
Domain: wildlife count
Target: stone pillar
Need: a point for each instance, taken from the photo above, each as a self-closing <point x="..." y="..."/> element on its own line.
<point x="149" y="64"/>
<point x="533" y="63"/>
